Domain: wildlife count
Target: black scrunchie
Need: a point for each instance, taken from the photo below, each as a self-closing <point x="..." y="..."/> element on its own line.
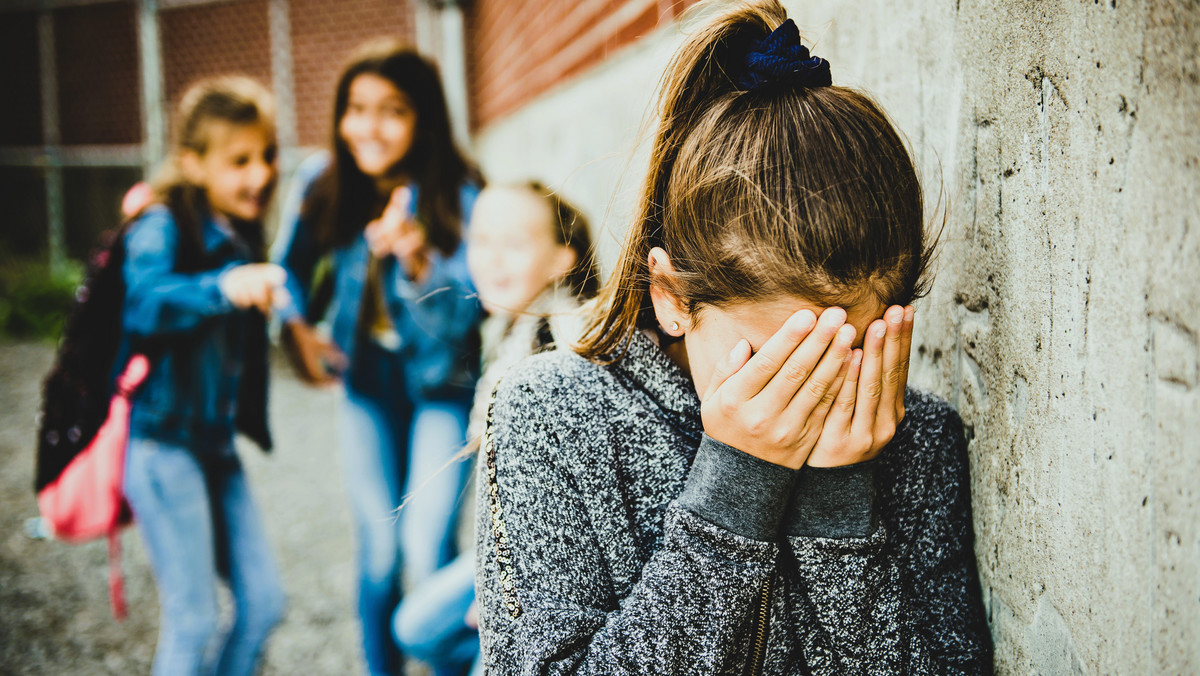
<point x="779" y="58"/>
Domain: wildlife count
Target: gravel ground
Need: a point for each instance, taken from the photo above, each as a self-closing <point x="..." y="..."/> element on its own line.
<point x="54" y="611"/>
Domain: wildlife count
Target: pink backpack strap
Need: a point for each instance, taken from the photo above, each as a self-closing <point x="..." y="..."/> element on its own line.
<point x="116" y="577"/>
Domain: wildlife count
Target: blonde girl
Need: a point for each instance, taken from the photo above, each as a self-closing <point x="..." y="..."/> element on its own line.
<point x="196" y="301"/>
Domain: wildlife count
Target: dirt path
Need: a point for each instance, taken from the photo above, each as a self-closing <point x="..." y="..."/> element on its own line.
<point x="54" y="611"/>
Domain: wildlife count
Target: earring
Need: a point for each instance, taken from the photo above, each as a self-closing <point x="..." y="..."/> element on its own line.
<point x="674" y="327"/>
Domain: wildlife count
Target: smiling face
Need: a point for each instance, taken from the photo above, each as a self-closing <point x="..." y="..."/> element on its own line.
<point x="237" y="170"/>
<point x="512" y="253"/>
<point x="378" y="125"/>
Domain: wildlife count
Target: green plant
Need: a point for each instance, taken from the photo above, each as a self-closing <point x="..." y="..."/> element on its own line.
<point x="35" y="299"/>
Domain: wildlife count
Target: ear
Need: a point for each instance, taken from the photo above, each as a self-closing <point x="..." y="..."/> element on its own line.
<point x="564" y="260"/>
<point x="672" y="319"/>
<point x="192" y="167"/>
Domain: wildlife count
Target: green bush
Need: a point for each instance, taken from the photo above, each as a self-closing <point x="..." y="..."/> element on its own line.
<point x="35" y="300"/>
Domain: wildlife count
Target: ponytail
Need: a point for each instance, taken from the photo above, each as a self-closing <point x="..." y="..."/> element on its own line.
<point x="701" y="76"/>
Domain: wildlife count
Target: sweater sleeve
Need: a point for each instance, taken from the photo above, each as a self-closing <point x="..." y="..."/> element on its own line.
<point x="546" y="601"/>
<point x="158" y="300"/>
<point x="870" y="600"/>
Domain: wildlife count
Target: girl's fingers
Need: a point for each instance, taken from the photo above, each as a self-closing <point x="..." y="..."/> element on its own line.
<point x="818" y="388"/>
<point x="833" y="404"/>
<point x="763" y="366"/>
<point x="736" y="358"/>
<point x="837" y="425"/>
<point x="906" y="334"/>
<point x="893" y="369"/>
<point x="842" y="413"/>
<point x="801" y="365"/>
<point x="870" y="380"/>
<point x="334" y="357"/>
<point x="400" y="200"/>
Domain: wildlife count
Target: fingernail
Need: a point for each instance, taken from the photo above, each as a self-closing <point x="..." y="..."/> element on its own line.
<point x="845" y="335"/>
<point x="909" y="313"/>
<point x="805" y="320"/>
<point x="736" y="351"/>
<point x="895" y="317"/>
<point x="880" y="330"/>
<point x="856" y="358"/>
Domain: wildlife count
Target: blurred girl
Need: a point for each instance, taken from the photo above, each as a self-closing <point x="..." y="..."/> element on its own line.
<point x="530" y="256"/>
<point x="389" y="208"/>
<point x="730" y="476"/>
<point x="195" y="301"/>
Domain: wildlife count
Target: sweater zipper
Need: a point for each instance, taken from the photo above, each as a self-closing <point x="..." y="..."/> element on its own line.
<point x="758" y="653"/>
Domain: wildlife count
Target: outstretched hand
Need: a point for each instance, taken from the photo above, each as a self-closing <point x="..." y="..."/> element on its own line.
<point x="870" y="403"/>
<point x="255" y="285"/>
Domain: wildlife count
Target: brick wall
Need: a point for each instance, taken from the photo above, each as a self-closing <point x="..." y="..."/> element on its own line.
<point x="324" y="34"/>
<point x="518" y="49"/>
<point x="96" y="51"/>
<point x="212" y="39"/>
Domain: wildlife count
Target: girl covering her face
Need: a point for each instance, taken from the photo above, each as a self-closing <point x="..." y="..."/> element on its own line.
<point x="196" y="300"/>
<point x="384" y="215"/>
<point x="730" y="475"/>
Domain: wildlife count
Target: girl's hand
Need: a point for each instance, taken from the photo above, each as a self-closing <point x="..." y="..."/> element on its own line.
<point x="317" y="360"/>
<point x="254" y="285"/>
<point x="870" y="404"/>
<point x="397" y="234"/>
<point x="773" y="405"/>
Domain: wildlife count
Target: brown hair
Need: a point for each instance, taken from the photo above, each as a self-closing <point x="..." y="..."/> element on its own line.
<point x="778" y="189"/>
<point x="232" y="99"/>
<point x="571" y="230"/>
<point x="343" y="200"/>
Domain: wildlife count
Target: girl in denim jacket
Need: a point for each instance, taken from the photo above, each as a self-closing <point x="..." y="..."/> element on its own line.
<point x="196" y="302"/>
<point x="388" y="210"/>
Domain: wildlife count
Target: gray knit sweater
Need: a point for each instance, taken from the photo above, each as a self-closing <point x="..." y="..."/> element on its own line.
<point x="614" y="537"/>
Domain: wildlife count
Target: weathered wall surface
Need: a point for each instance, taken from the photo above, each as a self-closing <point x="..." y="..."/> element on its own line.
<point x="1063" y="139"/>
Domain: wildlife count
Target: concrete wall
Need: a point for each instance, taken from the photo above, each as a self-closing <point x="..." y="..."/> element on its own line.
<point x="1063" y="140"/>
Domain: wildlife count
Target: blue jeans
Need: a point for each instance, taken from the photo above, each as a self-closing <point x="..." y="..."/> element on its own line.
<point x="405" y="486"/>
<point x="199" y="523"/>
<point x="431" y="623"/>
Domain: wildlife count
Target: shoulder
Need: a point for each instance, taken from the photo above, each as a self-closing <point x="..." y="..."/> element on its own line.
<point x="310" y="169"/>
<point x="928" y="411"/>
<point x="557" y="396"/>
<point x="930" y="444"/>
<point x="468" y="192"/>
<point x="549" y="383"/>
<point x="153" y="230"/>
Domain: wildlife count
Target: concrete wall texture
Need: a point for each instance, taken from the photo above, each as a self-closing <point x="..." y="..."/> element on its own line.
<point x="1062" y="139"/>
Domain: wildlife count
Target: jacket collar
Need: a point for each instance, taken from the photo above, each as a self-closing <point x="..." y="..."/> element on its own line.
<point x="647" y="367"/>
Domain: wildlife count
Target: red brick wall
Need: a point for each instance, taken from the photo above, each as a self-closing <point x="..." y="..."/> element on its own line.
<point x="324" y="34"/>
<point x="21" y="114"/>
<point x="213" y="39"/>
<point x="99" y="89"/>
<point x="517" y="49"/>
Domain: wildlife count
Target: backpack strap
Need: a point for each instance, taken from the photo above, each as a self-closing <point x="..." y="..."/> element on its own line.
<point x="116" y="577"/>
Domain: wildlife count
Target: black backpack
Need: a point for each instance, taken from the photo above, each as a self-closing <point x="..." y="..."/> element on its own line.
<point x="77" y="391"/>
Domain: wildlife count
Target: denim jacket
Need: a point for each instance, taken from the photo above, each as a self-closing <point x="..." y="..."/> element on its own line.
<point x="208" y="372"/>
<point x="436" y="319"/>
